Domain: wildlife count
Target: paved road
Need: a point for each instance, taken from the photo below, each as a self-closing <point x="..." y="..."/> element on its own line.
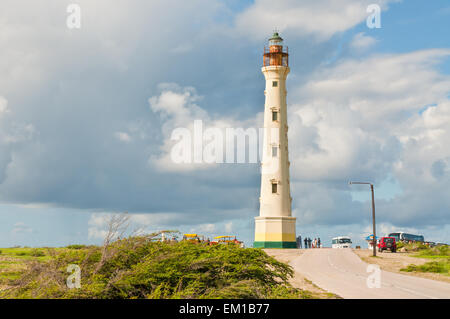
<point x="342" y="272"/>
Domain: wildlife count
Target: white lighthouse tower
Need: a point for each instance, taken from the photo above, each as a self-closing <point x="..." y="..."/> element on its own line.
<point x="275" y="226"/>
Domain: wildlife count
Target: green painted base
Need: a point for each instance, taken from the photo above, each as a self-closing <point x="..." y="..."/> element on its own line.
<point x="275" y="244"/>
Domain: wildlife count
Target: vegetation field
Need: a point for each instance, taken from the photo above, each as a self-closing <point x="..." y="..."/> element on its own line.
<point x="14" y="261"/>
<point x="137" y="267"/>
<point x="439" y="255"/>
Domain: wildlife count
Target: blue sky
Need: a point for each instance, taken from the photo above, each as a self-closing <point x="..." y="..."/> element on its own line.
<point x="79" y="138"/>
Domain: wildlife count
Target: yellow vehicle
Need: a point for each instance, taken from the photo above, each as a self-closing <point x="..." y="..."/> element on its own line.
<point x="191" y="237"/>
<point x="226" y="240"/>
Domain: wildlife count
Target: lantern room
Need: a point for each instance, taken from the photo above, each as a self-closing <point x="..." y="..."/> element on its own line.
<point x="276" y="54"/>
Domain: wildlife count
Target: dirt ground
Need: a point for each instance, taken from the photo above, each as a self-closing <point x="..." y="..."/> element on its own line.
<point x="299" y="281"/>
<point x="395" y="261"/>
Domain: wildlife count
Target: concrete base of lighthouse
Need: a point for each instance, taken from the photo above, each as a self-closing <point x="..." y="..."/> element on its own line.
<point x="275" y="232"/>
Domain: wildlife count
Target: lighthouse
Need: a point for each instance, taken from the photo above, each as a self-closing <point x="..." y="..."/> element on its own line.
<point x="275" y="226"/>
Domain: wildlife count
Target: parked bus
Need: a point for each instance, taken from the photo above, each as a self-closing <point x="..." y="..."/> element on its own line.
<point x="400" y="236"/>
<point x="341" y="242"/>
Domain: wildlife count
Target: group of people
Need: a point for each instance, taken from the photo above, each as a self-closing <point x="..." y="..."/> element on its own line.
<point x="309" y="243"/>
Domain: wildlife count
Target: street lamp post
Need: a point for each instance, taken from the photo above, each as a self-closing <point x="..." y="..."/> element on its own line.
<point x="374" y="242"/>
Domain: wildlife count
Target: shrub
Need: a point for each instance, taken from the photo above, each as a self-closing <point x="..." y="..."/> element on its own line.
<point x="76" y="246"/>
<point x="36" y="253"/>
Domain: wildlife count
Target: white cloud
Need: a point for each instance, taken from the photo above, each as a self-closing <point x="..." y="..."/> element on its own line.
<point x="363" y="119"/>
<point x="96" y="233"/>
<point x="182" y="48"/>
<point x="178" y="108"/>
<point x="362" y="42"/>
<point x="229" y="227"/>
<point x="350" y="115"/>
<point x="204" y="228"/>
<point x="123" y="137"/>
<point x="320" y="18"/>
<point x="19" y="133"/>
<point x="3" y="106"/>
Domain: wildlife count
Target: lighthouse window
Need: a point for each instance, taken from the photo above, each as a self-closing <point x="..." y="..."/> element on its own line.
<point x="274" y="83"/>
<point x="274" y="188"/>
<point x="274" y="151"/>
<point x="274" y="116"/>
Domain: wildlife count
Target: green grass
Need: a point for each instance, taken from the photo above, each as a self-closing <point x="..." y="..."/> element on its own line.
<point x="439" y="266"/>
<point x="8" y="265"/>
<point x="10" y="275"/>
<point x="14" y="261"/>
<point x="27" y="253"/>
<point x="435" y="252"/>
<point x="439" y="254"/>
<point x="8" y="262"/>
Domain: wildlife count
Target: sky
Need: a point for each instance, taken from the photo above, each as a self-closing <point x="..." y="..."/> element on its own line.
<point x="86" y="116"/>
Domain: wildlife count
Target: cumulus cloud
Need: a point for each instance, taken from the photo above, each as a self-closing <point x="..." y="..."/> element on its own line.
<point x="123" y="136"/>
<point x="82" y="95"/>
<point x="3" y="106"/>
<point x="13" y="135"/>
<point x="364" y="120"/>
<point x="229" y="227"/>
<point x="362" y="42"/>
<point x="205" y="228"/>
<point x="321" y="19"/>
<point x="178" y="110"/>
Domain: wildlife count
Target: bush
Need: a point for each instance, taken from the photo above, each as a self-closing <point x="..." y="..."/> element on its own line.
<point x="36" y="253"/>
<point x="138" y="268"/>
<point x="76" y="246"/>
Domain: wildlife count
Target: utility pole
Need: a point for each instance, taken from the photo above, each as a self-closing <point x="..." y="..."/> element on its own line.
<point x="374" y="241"/>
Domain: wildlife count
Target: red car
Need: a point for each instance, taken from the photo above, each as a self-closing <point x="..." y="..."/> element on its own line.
<point x="387" y="243"/>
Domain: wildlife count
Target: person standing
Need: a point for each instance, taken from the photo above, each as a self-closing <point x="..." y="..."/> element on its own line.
<point x="319" y="243"/>
<point x="306" y="242"/>
<point x="299" y="242"/>
<point x="309" y="242"/>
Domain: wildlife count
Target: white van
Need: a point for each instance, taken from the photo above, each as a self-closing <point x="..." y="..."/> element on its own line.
<point x="341" y="242"/>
